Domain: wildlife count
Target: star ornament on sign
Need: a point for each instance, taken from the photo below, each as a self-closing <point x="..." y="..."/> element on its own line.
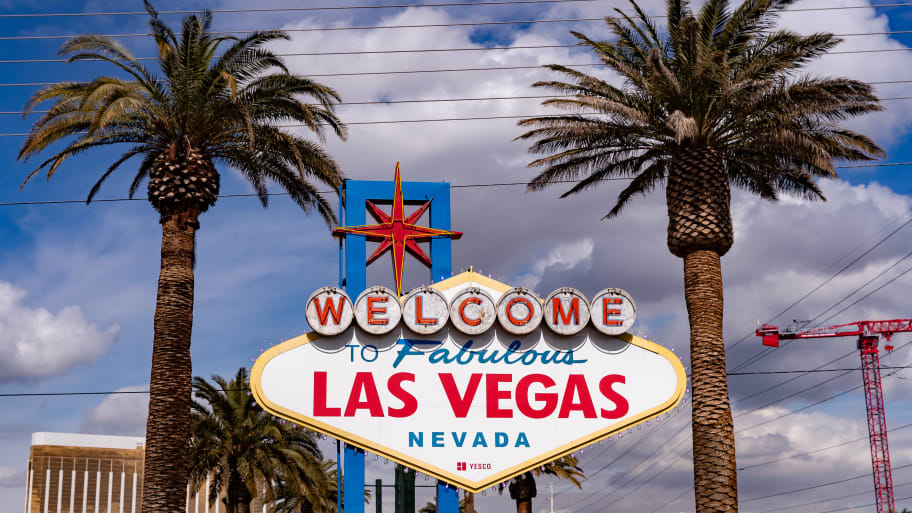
<point x="397" y="232"/>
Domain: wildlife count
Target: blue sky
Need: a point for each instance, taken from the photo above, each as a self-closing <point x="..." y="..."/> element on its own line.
<point x="87" y="274"/>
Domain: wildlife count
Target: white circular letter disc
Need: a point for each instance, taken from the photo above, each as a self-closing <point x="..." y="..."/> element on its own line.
<point x="613" y="311"/>
<point x="329" y="311"/>
<point x="472" y="311"/>
<point x="378" y="310"/>
<point x="566" y="311"/>
<point x="425" y="311"/>
<point x="519" y="311"/>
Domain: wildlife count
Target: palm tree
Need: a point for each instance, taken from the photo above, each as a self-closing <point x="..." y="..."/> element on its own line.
<point x="714" y="101"/>
<point x="522" y="487"/>
<point x="203" y="109"/>
<point x="243" y="450"/>
<point x="314" y="492"/>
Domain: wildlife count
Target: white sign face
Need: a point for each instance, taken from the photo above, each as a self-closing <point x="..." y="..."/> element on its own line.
<point x="472" y="410"/>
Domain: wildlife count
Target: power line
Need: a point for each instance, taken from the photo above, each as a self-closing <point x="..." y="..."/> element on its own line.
<point x="816" y="403"/>
<point x="327" y="29"/>
<point x="452" y="186"/>
<point x="810" y="371"/>
<point x="822" y="449"/>
<point x="455" y="70"/>
<point x="757" y="357"/>
<point x="846" y="480"/>
<point x="865" y="284"/>
<point x="829" y="500"/>
<point x="802" y="391"/>
<point x="863" y="505"/>
<point x="397" y="121"/>
<point x="437" y="50"/>
<point x="446" y="100"/>
<point x="377" y="27"/>
<point x="670" y="501"/>
<point x="287" y="9"/>
<point x="777" y="385"/>
<point x="869" y="294"/>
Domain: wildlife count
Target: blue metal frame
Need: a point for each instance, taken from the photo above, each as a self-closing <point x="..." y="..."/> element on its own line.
<point x="447" y="498"/>
<point x="354" y="268"/>
<point x="359" y="191"/>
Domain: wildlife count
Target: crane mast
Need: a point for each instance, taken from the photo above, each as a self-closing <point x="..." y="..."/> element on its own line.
<point x="868" y="335"/>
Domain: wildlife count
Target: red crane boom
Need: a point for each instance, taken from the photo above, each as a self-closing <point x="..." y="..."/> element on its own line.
<point x="868" y="333"/>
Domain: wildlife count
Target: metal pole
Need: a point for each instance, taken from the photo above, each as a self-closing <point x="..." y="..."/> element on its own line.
<point x="338" y="476"/>
<point x="378" y="495"/>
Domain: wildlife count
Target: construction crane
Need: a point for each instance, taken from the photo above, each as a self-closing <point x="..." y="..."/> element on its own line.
<point x="868" y="333"/>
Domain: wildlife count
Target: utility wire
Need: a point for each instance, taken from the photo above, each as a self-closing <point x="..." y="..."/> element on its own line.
<point x="452" y="70"/>
<point x="828" y="500"/>
<point x="670" y="501"/>
<point x="359" y="7"/>
<point x="431" y="100"/>
<point x="452" y="186"/>
<point x="289" y="9"/>
<point x="767" y="353"/>
<point x="810" y="371"/>
<point x="816" y="403"/>
<point x="863" y="505"/>
<point x="802" y="391"/>
<point x="847" y="296"/>
<point x="822" y="449"/>
<point x="869" y="294"/>
<point x="833" y="276"/>
<point x="438" y="50"/>
<point x="436" y="25"/>
<point x="846" y="480"/>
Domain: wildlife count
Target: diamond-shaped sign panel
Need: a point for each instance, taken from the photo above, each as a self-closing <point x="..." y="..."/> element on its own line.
<point x="470" y="410"/>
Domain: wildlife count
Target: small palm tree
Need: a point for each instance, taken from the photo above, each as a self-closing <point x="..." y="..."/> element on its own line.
<point x="522" y="488"/>
<point x="313" y="492"/>
<point x="243" y="449"/>
<point x="217" y="100"/>
<point x="713" y="102"/>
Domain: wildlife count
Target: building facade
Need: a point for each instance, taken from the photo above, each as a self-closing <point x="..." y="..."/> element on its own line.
<point x="78" y="473"/>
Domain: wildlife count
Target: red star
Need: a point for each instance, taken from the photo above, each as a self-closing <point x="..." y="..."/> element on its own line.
<point x="397" y="232"/>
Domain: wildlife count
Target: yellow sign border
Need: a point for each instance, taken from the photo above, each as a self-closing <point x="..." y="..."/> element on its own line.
<point x="439" y="473"/>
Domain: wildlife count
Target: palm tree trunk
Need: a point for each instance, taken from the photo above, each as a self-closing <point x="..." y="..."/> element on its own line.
<point x="715" y="477"/>
<point x="522" y="490"/>
<point x="469" y="502"/>
<point x="168" y="425"/>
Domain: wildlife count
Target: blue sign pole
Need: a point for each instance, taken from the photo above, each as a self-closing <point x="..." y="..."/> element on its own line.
<point x="447" y="498"/>
<point x="353" y="208"/>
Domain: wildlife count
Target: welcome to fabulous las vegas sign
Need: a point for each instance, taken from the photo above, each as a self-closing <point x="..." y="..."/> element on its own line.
<point x="469" y="380"/>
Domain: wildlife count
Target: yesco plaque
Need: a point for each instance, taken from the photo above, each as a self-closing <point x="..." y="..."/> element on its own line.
<point x="469" y="380"/>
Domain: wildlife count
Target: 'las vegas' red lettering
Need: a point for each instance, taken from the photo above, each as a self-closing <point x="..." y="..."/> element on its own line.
<point x="621" y="407"/>
<point x="493" y="395"/>
<point x="364" y="382"/>
<point x="320" y="408"/>
<point x="460" y="404"/>
<point x="522" y="396"/>
<point x="576" y="385"/>
<point x="409" y="403"/>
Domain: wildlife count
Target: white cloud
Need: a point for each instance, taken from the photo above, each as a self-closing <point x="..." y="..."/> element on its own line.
<point x="564" y="257"/>
<point x="37" y="343"/>
<point x="119" y="414"/>
<point x="11" y="477"/>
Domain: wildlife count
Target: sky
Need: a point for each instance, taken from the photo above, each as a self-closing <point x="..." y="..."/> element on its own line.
<point x="77" y="282"/>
